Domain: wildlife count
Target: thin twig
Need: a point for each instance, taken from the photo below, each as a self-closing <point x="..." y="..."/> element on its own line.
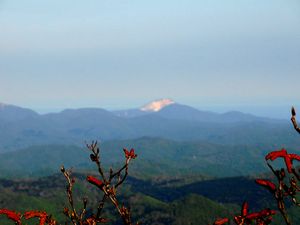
<point x="111" y="184"/>
<point x="100" y="206"/>
<point x="96" y="158"/>
<point x="119" y="172"/>
<point x="82" y="214"/>
<point x="294" y="121"/>
<point x="279" y="194"/>
<point x="74" y="216"/>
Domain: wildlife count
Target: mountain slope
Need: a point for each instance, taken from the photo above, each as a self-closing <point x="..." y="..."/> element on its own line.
<point x="183" y="112"/>
<point x="169" y="109"/>
<point x="49" y="194"/>
<point x="173" y="121"/>
<point x="156" y="158"/>
<point x="11" y="113"/>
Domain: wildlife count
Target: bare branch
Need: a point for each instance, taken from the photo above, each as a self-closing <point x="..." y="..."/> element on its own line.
<point x="95" y="157"/>
<point x="109" y="186"/>
<point x="73" y="216"/>
<point x="119" y="174"/>
<point x="100" y="206"/>
<point x="84" y="208"/>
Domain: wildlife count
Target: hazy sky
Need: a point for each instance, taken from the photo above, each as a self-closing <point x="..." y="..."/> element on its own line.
<point x="122" y="53"/>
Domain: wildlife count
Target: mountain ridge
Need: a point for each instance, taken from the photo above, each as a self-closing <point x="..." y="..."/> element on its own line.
<point x="174" y="121"/>
<point x="164" y="105"/>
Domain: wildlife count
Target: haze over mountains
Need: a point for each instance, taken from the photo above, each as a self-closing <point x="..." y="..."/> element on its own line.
<point x="188" y="159"/>
<point x="164" y="118"/>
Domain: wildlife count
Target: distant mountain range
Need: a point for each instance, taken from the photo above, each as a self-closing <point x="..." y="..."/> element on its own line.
<point x="169" y="109"/>
<point x="164" y="118"/>
<point x="187" y="158"/>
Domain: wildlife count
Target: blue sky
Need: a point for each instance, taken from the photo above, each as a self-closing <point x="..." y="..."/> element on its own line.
<point x="213" y="54"/>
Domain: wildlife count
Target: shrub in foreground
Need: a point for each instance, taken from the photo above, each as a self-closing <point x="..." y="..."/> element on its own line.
<point x="284" y="189"/>
<point x="107" y="183"/>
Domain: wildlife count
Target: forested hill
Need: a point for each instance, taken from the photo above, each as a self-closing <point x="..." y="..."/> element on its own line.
<point x="20" y="128"/>
<point x="157" y="157"/>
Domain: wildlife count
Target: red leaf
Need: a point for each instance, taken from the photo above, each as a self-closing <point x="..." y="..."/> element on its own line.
<point x="261" y="214"/>
<point x="268" y="184"/>
<point x="245" y="209"/>
<point x="129" y="154"/>
<point x="221" y="221"/>
<point x="12" y="215"/>
<point x="275" y="154"/>
<point x="31" y="214"/>
<point x="294" y="157"/>
<point x="95" y="181"/>
<point x="288" y="158"/>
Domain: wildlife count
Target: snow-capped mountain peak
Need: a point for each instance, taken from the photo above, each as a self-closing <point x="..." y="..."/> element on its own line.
<point x="157" y="105"/>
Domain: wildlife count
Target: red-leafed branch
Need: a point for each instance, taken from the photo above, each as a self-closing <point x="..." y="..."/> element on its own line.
<point x="107" y="184"/>
<point x="16" y="217"/>
<point x="263" y="217"/>
<point x="286" y="186"/>
<point x="12" y="215"/>
<point x="110" y="185"/>
<point x="287" y="183"/>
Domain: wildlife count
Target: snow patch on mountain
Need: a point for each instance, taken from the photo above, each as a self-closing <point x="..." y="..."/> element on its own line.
<point x="157" y="105"/>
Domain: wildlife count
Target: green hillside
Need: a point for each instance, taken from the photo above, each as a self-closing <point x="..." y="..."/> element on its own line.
<point x="156" y="158"/>
<point x="48" y="194"/>
<point x="150" y="202"/>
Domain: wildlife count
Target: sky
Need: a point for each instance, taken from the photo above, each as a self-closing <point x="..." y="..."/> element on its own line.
<point x="214" y="54"/>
